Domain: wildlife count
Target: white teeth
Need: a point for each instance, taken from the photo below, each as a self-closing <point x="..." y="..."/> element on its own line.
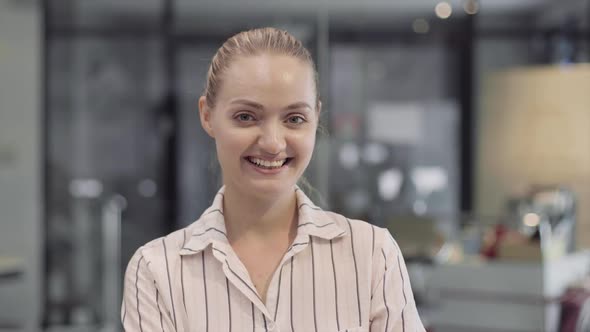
<point x="266" y="163"/>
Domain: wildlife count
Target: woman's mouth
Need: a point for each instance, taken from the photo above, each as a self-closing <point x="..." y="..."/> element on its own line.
<point x="267" y="164"/>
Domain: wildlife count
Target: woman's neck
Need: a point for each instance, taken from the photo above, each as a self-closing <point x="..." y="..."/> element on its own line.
<point x="248" y="217"/>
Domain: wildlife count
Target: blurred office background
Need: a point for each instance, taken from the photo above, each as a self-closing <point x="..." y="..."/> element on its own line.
<point x="462" y="125"/>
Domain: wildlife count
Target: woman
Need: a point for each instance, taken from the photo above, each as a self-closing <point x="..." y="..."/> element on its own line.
<point x="263" y="257"/>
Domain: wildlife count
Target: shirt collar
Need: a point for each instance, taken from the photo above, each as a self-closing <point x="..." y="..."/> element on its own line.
<point x="314" y="221"/>
<point x="210" y="227"/>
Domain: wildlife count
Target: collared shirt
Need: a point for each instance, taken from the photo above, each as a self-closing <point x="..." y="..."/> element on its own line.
<point x="338" y="275"/>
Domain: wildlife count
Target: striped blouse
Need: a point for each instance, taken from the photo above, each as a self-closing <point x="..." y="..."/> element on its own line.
<point x="338" y="275"/>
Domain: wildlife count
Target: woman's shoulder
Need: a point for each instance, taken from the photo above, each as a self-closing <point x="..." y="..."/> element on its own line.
<point x="358" y="229"/>
<point x="353" y="225"/>
<point x="365" y="239"/>
<point x="164" y="247"/>
<point x="327" y="219"/>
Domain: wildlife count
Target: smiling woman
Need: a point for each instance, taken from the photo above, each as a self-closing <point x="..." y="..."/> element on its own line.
<point x="263" y="119"/>
<point x="264" y="256"/>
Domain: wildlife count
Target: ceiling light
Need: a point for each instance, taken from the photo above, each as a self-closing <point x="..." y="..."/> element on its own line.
<point x="471" y="7"/>
<point x="420" y="25"/>
<point x="443" y="10"/>
<point x="531" y="219"/>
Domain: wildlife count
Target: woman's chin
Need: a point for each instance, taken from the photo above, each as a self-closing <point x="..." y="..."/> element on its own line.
<point x="267" y="188"/>
<point x="273" y="187"/>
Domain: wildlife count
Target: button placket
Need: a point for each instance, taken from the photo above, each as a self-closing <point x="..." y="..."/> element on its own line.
<point x="301" y="241"/>
<point x="237" y="274"/>
<point x="272" y="326"/>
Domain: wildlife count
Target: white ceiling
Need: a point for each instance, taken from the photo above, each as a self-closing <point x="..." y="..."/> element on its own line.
<point x="394" y="7"/>
<point x="336" y="7"/>
<point x="225" y="13"/>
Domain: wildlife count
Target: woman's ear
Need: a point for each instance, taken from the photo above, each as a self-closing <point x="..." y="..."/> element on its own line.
<point x="205" y="115"/>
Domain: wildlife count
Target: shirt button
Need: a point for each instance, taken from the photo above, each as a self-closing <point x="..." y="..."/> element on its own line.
<point x="272" y="326"/>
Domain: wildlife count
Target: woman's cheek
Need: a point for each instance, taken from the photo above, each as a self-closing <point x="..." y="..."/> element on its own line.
<point x="305" y="142"/>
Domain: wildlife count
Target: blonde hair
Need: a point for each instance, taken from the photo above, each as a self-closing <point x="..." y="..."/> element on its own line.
<point x="250" y="43"/>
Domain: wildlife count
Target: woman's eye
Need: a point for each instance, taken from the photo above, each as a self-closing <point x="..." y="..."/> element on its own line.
<point x="245" y="117"/>
<point x="296" y="120"/>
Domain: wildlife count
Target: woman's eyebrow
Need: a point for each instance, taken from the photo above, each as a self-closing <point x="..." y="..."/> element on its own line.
<point x="298" y="105"/>
<point x="253" y="104"/>
<point x="248" y="103"/>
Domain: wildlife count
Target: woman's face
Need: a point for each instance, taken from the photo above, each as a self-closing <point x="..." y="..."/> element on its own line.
<point x="264" y="123"/>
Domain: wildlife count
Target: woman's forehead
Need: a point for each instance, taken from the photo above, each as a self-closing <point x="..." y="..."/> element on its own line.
<point x="283" y="68"/>
<point x="267" y="76"/>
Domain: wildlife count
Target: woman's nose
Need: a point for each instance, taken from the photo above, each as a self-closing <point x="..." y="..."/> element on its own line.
<point x="272" y="138"/>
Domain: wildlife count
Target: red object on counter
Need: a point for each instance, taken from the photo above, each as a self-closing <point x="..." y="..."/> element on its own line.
<point x="491" y="251"/>
<point x="572" y="303"/>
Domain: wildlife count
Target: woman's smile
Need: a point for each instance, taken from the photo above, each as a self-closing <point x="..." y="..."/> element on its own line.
<point x="268" y="167"/>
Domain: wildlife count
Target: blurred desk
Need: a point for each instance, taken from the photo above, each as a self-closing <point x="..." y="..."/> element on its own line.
<point x="501" y="296"/>
<point x="10" y="268"/>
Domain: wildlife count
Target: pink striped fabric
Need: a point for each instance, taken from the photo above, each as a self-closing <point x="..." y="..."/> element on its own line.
<point x="338" y="275"/>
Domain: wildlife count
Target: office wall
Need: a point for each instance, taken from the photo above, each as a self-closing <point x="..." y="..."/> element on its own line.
<point x="491" y="55"/>
<point x="20" y="158"/>
<point x="535" y="130"/>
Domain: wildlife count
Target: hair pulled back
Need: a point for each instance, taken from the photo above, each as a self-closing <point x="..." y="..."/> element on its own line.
<point x="251" y="43"/>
